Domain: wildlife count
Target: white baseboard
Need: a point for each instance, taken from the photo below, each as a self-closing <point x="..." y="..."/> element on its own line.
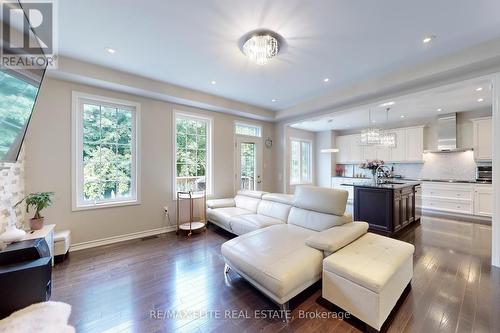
<point x="120" y="238"/>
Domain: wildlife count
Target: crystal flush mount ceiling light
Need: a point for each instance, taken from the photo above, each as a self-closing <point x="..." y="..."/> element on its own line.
<point x="261" y="46"/>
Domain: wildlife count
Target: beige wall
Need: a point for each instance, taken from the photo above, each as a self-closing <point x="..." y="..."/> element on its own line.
<point x="48" y="162"/>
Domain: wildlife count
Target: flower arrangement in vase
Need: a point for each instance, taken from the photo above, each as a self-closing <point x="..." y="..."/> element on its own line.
<point x="372" y="166"/>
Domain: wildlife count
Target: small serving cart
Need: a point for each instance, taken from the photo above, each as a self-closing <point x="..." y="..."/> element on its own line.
<point x="191" y="211"/>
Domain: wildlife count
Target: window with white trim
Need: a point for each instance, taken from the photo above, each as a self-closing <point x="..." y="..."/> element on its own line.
<point x="192" y="151"/>
<point x="300" y="162"/>
<point x="105" y="156"/>
<point x="247" y="129"/>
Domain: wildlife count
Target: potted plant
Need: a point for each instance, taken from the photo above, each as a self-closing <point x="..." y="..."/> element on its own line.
<point x="38" y="201"/>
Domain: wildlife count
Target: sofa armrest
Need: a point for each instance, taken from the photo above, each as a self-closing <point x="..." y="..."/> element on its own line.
<point x="335" y="238"/>
<point x="221" y="203"/>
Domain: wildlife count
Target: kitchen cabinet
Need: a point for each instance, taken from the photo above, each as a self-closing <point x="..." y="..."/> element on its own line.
<point x="461" y="198"/>
<point x="482" y="138"/>
<point x="414" y="143"/>
<point x="369" y="153"/>
<point x="409" y="148"/>
<point x="384" y="154"/>
<point x="386" y="209"/>
<point x="398" y="153"/>
<point x="483" y="200"/>
<point x="343" y="144"/>
<point x="356" y="149"/>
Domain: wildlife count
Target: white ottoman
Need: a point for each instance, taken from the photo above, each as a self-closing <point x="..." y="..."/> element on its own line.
<point x="62" y="242"/>
<point x="367" y="277"/>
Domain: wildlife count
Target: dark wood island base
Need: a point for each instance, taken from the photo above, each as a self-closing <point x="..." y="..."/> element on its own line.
<point x="388" y="208"/>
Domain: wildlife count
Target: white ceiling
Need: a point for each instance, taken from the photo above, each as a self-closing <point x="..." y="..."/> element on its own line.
<point x="190" y="43"/>
<point x="409" y="109"/>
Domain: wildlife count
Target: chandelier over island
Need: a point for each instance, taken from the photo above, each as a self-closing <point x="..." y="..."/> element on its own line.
<point x="373" y="136"/>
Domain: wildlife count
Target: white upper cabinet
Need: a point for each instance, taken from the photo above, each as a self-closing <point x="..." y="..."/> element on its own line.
<point x="343" y="144"/>
<point x="398" y="153"/>
<point x="409" y="148"/>
<point x="483" y="138"/>
<point x="414" y="144"/>
<point x="369" y="153"/>
<point x="356" y="149"/>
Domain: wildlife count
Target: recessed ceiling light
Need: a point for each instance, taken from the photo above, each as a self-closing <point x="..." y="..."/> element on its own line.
<point x="326" y="79"/>
<point x="428" y="39"/>
<point x="110" y="50"/>
<point x="479" y="89"/>
<point x="387" y="104"/>
<point x="274" y="100"/>
<point x="213" y="82"/>
<point x="439" y="110"/>
<point x="480" y="100"/>
<point x="374" y="121"/>
<point x="402" y="116"/>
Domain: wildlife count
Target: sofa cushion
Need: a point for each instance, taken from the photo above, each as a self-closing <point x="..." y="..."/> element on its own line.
<point x="286" y="199"/>
<point x="273" y="209"/>
<point x="246" y="202"/>
<point x="370" y="261"/>
<point x="252" y="194"/>
<point x="333" y="239"/>
<point x="222" y="216"/>
<point x="321" y="200"/>
<point x="221" y="203"/>
<point x="246" y="223"/>
<point x="276" y="258"/>
<point x="315" y="221"/>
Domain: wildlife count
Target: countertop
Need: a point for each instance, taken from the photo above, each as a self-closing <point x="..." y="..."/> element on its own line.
<point x="401" y="184"/>
<point x="452" y="181"/>
<point x="447" y="181"/>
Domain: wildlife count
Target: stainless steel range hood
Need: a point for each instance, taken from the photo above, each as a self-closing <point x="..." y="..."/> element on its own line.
<point x="447" y="135"/>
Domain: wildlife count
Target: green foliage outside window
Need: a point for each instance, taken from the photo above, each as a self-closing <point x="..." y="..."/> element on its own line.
<point x="191" y="159"/>
<point x="107" y="152"/>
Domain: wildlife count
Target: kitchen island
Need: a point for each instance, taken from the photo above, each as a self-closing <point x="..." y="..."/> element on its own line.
<point x="387" y="207"/>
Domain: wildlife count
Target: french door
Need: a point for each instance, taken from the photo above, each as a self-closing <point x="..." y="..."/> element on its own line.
<point x="248" y="164"/>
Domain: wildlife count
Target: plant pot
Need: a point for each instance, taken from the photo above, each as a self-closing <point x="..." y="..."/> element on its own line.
<point x="36" y="224"/>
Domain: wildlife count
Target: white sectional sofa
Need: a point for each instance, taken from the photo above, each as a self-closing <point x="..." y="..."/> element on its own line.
<point x="282" y="258"/>
<point x="282" y="263"/>
<point x="249" y="211"/>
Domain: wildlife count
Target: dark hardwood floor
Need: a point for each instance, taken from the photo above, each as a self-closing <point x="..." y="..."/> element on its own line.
<point x="123" y="287"/>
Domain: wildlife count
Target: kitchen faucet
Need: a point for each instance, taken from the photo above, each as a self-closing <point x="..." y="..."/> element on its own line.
<point x="385" y="173"/>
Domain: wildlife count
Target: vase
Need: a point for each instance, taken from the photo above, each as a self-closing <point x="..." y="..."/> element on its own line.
<point x="36" y="224"/>
<point x="374" y="177"/>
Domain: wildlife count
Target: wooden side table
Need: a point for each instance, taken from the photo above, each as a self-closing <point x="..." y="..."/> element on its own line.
<point x="189" y="201"/>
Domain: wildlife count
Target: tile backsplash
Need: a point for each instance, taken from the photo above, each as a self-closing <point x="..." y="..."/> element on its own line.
<point x="11" y="191"/>
<point x="458" y="165"/>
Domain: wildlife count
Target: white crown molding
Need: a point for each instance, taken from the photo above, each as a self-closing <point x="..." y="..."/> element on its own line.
<point x="120" y="238"/>
<point x="104" y="77"/>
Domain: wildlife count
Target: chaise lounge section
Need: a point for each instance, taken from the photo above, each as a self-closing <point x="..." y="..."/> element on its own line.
<point x="282" y="264"/>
